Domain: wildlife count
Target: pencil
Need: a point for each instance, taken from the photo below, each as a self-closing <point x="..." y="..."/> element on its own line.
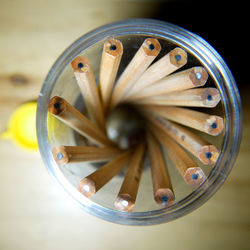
<point x="169" y="63"/>
<point x="67" y="154"/>
<point x="200" y="97"/>
<point x="95" y="181"/>
<point x="111" y="57"/>
<point x="210" y="124"/>
<point x="66" y="113"/>
<point x="125" y="200"/>
<point x="187" y="167"/>
<point x="86" y="81"/>
<point x="186" y="79"/>
<point x="200" y="148"/>
<point x="162" y="187"/>
<point x="139" y="63"/>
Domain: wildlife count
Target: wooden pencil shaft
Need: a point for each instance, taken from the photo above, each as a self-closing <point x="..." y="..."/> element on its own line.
<point x="163" y="192"/>
<point x="133" y="175"/>
<point x="86" y="81"/>
<point x="68" y="154"/>
<point x="178" y="155"/>
<point x="66" y="113"/>
<point x="159" y="174"/>
<point x="169" y="63"/>
<point x="200" y="148"/>
<point x="186" y="79"/>
<point x="187" y="167"/>
<point x="111" y="57"/>
<point x="139" y="63"/>
<point x="200" y="97"/>
<point x="104" y="174"/>
<point x="128" y="191"/>
<point x="210" y="124"/>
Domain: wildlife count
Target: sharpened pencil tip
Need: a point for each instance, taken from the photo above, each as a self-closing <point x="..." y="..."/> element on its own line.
<point x="124" y="203"/>
<point x="112" y="47"/>
<point x="195" y="176"/>
<point x="164" y="196"/>
<point x="208" y="155"/>
<point x="151" y="46"/>
<point x="86" y="188"/>
<point x="164" y="199"/>
<point x="214" y="125"/>
<point x="59" y="156"/>
<point x="209" y="97"/>
<point x="56" y="105"/>
<point x="80" y="65"/>
<point x="198" y="75"/>
<point x="177" y="58"/>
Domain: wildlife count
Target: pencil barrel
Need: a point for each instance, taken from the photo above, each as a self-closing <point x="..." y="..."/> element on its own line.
<point x="127" y="195"/>
<point x="69" y="154"/>
<point x="186" y="166"/>
<point x="197" y="97"/>
<point x="210" y="124"/>
<point x="162" y="186"/>
<point x="66" y="113"/>
<point x="200" y="148"/>
<point x="95" y="181"/>
<point x="169" y="63"/>
<point x="139" y="63"/>
<point x="110" y="61"/>
<point x="86" y="81"/>
<point x="186" y="79"/>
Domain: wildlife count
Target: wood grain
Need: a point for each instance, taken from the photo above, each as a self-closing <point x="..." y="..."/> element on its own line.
<point x="187" y="167"/>
<point x="210" y="124"/>
<point x="86" y="81"/>
<point x="199" y="97"/>
<point x="185" y="79"/>
<point x="111" y="57"/>
<point x="67" y="154"/>
<point x="162" y="186"/>
<point x="126" y="197"/>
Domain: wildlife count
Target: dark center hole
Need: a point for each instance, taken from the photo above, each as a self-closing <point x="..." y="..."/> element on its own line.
<point x="112" y="47"/>
<point x="208" y="155"/>
<point x="195" y="176"/>
<point x="151" y="46"/>
<point x="125" y="126"/>
<point x="177" y="58"/>
<point x="209" y="97"/>
<point x="80" y="65"/>
<point x="214" y="125"/>
<point x="56" y="105"/>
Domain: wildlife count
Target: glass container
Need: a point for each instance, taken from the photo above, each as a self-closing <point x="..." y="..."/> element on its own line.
<point x="60" y="81"/>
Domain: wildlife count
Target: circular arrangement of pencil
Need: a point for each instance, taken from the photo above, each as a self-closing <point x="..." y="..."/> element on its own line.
<point x="162" y="99"/>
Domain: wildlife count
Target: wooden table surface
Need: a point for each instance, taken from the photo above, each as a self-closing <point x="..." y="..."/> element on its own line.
<point x="34" y="212"/>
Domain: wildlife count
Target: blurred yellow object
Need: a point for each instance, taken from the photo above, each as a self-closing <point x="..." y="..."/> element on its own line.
<point x="22" y="126"/>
